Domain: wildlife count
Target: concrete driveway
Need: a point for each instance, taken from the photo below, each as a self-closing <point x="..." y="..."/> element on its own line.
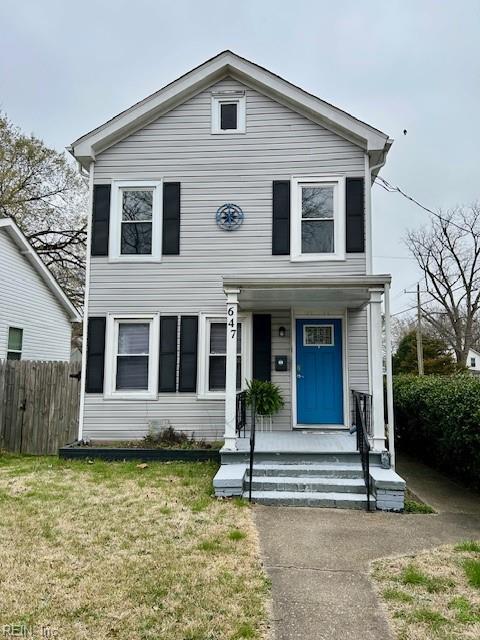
<point x="318" y="559"/>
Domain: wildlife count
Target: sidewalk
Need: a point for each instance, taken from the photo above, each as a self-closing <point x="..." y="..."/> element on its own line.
<point x="318" y="559"/>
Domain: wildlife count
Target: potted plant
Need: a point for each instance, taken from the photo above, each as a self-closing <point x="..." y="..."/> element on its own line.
<point x="268" y="400"/>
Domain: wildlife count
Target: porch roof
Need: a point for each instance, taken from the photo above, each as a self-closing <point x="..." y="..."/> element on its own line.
<point x="271" y="292"/>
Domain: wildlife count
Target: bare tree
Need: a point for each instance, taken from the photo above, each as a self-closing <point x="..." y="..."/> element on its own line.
<point x="448" y="253"/>
<point x="43" y="192"/>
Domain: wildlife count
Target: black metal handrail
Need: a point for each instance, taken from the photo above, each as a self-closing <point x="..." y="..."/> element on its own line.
<point x="252" y="447"/>
<point x="361" y="420"/>
<point x="241" y="413"/>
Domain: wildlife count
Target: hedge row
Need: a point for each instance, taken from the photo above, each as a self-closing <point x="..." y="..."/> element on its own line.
<point x="438" y="419"/>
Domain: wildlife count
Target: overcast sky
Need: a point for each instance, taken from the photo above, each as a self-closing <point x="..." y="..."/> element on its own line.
<point x="66" y="67"/>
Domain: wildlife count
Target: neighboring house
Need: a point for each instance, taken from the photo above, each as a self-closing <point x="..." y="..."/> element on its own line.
<point x="35" y="314"/>
<point x="231" y="239"/>
<point x="473" y="361"/>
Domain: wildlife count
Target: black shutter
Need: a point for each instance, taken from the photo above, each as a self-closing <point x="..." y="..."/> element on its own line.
<point x="167" y="372"/>
<point x="95" y="355"/>
<point x="100" y="219"/>
<point x="355" y="211"/>
<point x="171" y="219"/>
<point x="262" y="347"/>
<point x="188" y="353"/>
<point x="281" y="218"/>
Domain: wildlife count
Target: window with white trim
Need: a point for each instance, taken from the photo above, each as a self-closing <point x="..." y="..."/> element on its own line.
<point x="228" y="112"/>
<point x="318" y="218"/>
<point x="15" y="343"/>
<point x="473" y="362"/>
<point x="213" y="355"/>
<point x="217" y="355"/>
<point x="131" y="365"/>
<point x="135" y="219"/>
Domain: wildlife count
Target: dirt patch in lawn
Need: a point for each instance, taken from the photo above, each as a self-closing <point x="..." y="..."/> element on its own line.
<point x="121" y="551"/>
<point x="434" y="594"/>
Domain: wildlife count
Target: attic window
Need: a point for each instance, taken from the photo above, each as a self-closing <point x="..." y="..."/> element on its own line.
<point x="228" y="112"/>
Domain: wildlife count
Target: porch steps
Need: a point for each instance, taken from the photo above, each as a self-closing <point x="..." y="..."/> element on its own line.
<point x="308" y="484"/>
<point x="320" y="484"/>
<point x="311" y="499"/>
<point x="326" y="470"/>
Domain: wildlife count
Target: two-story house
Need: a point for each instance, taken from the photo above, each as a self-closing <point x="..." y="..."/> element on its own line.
<point x="230" y="240"/>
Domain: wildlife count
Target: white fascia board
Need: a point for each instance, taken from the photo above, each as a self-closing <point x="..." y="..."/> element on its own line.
<point x="31" y="255"/>
<point x="227" y="63"/>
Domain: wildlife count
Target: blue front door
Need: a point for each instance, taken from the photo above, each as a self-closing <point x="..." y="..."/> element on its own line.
<point x="319" y="371"/>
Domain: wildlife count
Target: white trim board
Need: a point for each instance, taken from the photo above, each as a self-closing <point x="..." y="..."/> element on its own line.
<point x="301" y="315"/>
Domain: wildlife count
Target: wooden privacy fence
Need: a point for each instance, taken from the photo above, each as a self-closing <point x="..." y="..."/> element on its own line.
<point x="39" y="403"/>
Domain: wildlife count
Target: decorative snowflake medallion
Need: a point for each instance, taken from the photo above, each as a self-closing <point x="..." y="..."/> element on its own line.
<point x="229" y="216"/>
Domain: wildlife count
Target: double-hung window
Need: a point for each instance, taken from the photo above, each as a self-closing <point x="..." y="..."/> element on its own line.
<point x="136" y="221"/>
<point x="213" y="355"/>
<point x="15" y="343"/>
<point x="318" y="218"/>
<point x="131" y="368"/>
<point x="217" y="355"/>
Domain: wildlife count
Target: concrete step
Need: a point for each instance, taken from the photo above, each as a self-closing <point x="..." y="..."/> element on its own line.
<point x="296" y="457"/>
<point x="323" y="470"/>
<point x="307" y="484"/>
<point x="311" y="499"/>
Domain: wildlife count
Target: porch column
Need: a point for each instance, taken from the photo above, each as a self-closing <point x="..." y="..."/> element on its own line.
<point x="389" y="380"/>
<point x="231" y="369"/>
<point x="377" y="368"/>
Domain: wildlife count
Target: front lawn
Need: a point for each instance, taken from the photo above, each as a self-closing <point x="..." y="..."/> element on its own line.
<point x="434" y="595"/>
<point x="122" y="551"/>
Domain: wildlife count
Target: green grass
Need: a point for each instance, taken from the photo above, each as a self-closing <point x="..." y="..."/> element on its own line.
<point x="432" y="595"/>
<point x="472" y="571"/>
<point x="396" y="595"/>
<point x="412" y="506"/>
<point x="427" y="616"/>
<point x="236" y="534"/>
<point x="468" y="545"/>
<point x="465" y="612"/>
<point x="411" y="575"/>
<point x="127" y="552"/>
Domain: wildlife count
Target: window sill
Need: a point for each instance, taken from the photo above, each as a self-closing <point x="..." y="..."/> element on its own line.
<point x="130" y="396"/>
<point x="135" y="259"/>
<point x="316" y="257"/>
<point x="226" y="132"/>
<point x="211" y="396"/>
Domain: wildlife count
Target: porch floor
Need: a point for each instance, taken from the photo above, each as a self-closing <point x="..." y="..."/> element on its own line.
<point x="299" y="442"/>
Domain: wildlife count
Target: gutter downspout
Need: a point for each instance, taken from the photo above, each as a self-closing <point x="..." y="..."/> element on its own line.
<point x="85" y="303"/>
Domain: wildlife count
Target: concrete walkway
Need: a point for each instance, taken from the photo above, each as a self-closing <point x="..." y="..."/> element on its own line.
<point x="318" y="559"/>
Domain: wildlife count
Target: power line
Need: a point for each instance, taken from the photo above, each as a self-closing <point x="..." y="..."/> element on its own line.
<point x="403" y="311"/>
<point x="392" y="189"/>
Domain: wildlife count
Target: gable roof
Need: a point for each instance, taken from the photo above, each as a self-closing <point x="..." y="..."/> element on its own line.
<point x="230" y="64"/>
<point x="13" y="231"/>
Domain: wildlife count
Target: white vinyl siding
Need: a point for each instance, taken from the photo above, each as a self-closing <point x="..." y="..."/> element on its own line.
<point x="27" y="303"/>
<point x="213" y="170"/>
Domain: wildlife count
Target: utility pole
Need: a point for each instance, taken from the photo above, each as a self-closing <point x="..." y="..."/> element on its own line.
<point x="419" y="334"/>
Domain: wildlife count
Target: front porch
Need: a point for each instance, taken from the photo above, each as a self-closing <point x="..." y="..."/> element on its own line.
<point x="332" y="376"/>
<point x="315" y="371"/>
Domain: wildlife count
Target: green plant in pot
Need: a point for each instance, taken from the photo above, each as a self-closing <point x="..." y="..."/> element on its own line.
<point x="268" y="400"/>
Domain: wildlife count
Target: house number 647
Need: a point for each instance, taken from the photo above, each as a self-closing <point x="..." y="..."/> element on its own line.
<point x="231" y="321"/>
